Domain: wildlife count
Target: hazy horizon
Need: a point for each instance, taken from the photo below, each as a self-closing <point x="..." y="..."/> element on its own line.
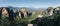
<point x="30" y="3"/>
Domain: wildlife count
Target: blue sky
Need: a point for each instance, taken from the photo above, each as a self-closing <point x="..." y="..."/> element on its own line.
<point x="30" y="3"/>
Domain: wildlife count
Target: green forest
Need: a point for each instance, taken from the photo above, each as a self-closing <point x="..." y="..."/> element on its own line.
<point x="53" y="20"/>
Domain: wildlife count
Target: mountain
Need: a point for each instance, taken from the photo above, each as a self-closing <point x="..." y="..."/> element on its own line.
<point x="27" y="8"/>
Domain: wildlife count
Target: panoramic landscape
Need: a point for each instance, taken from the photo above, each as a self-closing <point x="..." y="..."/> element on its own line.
<point x="29" y="12"/>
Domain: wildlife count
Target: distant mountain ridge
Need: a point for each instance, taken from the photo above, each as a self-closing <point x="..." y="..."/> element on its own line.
<point x="28" y="8"/>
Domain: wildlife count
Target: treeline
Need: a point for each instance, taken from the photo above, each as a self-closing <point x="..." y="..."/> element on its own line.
<point x="53" y="20"/>
<point x="46" y="21"/>
<point x="10" y="17"/>
<point x="15" y="20"/>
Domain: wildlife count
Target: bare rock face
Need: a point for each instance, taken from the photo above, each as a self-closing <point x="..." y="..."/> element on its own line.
<point x="57" y="10"/>
<point x="4" y="12"/>
<point x="50" y="11"/>
<point x="33" y="13"/>
<point x="19" y="14"/>
<point x="24" y="12"/>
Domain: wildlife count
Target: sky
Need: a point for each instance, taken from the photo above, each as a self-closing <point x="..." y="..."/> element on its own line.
<point x="30" y="3"/>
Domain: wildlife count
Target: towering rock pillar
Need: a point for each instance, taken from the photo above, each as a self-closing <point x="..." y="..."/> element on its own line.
<point x="4" y="12"/>
<point x="57" y="11"/>
<point x="50" y="11"/>
<point x="23" y="13"/>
